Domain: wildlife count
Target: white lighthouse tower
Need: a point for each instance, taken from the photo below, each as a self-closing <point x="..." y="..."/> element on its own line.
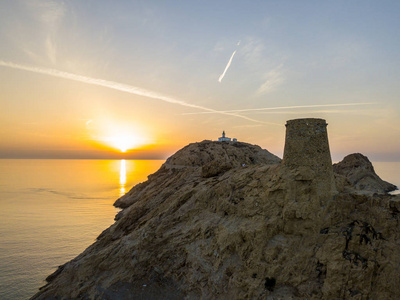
<point x="224" y="138"/>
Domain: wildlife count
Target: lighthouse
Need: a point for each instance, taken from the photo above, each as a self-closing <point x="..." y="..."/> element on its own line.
<point x="224" y="138"/>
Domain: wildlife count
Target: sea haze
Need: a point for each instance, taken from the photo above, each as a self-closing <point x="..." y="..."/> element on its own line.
<point x="52" y="210"/>
<point x="390" y="172"/>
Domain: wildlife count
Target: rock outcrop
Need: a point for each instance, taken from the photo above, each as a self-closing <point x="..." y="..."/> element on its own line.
<point x="359" y="171"/>
<point x="210" y="158"/>
<point x="229" y="220"/>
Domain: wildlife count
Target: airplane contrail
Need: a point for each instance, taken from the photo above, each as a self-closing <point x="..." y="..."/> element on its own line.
<point x="227" y="66"/>
<point x="282" y="107"/>
<point x="101" y="82"/>
<point x="120" y="87"/>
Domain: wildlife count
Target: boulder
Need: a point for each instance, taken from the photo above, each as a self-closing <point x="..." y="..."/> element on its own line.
<point x="358" y="170"/>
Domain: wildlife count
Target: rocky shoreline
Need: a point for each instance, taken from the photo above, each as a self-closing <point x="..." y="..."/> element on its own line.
<point x="230" y="220"/>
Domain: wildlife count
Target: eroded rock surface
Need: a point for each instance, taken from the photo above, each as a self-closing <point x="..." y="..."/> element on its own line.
<point x="210" y="158"/>
<point x="361" y="174"/>
<point x="226" y="220"/>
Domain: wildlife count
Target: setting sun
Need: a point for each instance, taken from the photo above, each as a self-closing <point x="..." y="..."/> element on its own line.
<point x="120" y="136"/>
<point x="124" y="142"/>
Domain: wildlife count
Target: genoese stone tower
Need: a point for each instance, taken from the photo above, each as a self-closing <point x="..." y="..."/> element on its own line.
<point x="307" y="154"/>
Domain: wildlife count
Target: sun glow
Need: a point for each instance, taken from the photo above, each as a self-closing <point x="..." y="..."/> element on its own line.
<point x="122" y="137"/>
<point x="124" y="142"/>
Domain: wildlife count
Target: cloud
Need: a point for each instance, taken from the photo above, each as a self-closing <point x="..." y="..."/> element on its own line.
<point x="227" y="67"/>
<point x="49" y="14"/>
<point x="51" y="49"/>
<point x="261" y="64"/>
<point x="284" y="108"/>
<point x="273" y="79"/>
<point x="323" y="111"/>
<point x="254" y="53"/>
<point x="120" y="87"/>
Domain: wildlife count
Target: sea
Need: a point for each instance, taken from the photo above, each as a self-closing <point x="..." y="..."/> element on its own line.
<point x="51" y="210"/>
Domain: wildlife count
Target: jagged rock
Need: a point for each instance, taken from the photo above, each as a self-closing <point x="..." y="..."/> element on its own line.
<point x="263" y="230"/>
<point x="361" y="174"/>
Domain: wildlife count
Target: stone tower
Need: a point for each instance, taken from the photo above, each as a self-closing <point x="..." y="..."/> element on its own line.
<point x="307" y="155"/>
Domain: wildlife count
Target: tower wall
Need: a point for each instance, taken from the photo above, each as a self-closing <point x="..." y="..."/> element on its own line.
<point x="307" y="153"/>
<point x="307" y="144"/>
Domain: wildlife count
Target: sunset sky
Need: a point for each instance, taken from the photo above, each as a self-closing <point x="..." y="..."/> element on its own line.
<point x="141" y="79"/>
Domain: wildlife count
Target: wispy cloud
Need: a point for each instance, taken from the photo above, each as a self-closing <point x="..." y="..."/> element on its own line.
<point x="49" y="12"/>
<point x="51" y="49"/>
<point x="254" y="53"/>
<point x="322" y="111"/>
<point x="50" y="15"/>
<point x="284" y="108"/>
<point x="120" y="87"/>
<point x="247" y="126"/>
<point x="263" y="64"/>
<point x="272" y="79"/>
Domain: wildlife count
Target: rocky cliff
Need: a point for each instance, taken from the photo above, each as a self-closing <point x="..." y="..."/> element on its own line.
<point x="209" y="158"/>
<point x="229" y="220"/>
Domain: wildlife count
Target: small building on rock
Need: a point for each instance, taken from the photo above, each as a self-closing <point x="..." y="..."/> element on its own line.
<point x="224" y="138"/>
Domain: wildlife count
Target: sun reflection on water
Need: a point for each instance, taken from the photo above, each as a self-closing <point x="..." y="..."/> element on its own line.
<point x="122" y="178"/>
<point x="44" y="204"/>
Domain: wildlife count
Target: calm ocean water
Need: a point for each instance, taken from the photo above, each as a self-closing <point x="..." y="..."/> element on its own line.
<point x="52" y="210"/>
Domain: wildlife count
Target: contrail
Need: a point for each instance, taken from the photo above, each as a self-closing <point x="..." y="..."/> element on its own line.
<point x="119" y="87"/>
<point x="101" y="82"/>
<point x="228" y="65"/>
<point x="282" y="107"/>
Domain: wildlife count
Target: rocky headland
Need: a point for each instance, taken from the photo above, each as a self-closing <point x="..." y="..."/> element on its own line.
<point x="224" y="220"/>
<point x="361" y="174"/>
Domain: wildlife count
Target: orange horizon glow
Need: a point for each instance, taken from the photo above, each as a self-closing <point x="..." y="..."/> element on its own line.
<point x="122" y="137"/>
<point x="123" y="143"/>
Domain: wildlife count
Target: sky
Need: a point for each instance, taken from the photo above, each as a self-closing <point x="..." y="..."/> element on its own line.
<point x="142" y="79"/>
